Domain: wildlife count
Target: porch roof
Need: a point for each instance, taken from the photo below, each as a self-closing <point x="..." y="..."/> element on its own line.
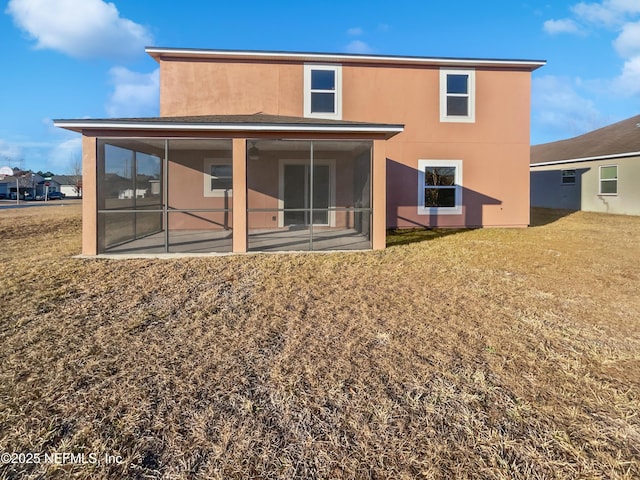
<point x="258" y="122"/>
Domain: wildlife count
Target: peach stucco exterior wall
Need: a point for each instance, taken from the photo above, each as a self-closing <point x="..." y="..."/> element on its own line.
<point x="494" y="149"/>
<point x="239" y="168"/>
<point x="89" y="205"/>
<point x="379" y="224"/>
<point x="224" y="88"/>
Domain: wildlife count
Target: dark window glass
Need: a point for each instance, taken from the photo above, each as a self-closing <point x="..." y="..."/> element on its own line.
<point x="457" y="84"/>
<point x="568" y="176"/>
<point x="321" y="200"/>
<point x="440" y="176"/>
<point x="609" y="186"/>
<point x="458" y="106"/>
<point x="439" y="197"/>
<point x="221" y="177"/>
<point x="323" y="102"/>
<point x="323" y="80"/>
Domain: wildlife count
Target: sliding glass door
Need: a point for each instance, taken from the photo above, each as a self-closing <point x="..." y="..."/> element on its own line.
<point x="308" y="195"/>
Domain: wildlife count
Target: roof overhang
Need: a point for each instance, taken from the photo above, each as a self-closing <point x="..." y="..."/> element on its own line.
<point x="230" y="126"/>
<point x="586" y="159"/>
<point x="161" y="53"/>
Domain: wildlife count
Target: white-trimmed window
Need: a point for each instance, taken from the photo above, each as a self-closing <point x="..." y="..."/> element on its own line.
<point x="323" y="91"/>
<point x="568" y="177"/>
<point x="439" y="187"/>
<point x="457" y="95"/>
<point x="609" y="180"/>
<point x="218" y="180"/>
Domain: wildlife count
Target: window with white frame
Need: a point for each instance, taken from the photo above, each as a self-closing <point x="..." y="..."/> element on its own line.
<point x="218" y="180"/>
<point x="323" y="91"/>
<point x="568" y="177"/>
<point x="457" y="95"/>
<point x="439" y="187"/>
<point x="609" y="180"/>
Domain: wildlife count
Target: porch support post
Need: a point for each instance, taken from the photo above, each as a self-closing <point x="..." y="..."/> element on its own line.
<point x="90" y="196"/>
<point x="379" y="193"/>
<point x="239" y="198"/>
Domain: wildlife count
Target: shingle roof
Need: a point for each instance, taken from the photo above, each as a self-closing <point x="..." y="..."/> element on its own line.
<point x="616" y="139"/>
<point x="65" y="179"/>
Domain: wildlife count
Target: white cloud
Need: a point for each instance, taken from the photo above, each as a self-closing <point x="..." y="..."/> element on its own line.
<point x="355" y="31"/>
<point x="560" y="110"/>
<point x="628" y="42"/>
<point x="55" y="155"/>
<point x="135" y="94"/>
<point x="620" y="16"/>
<point x="63" y="155"/>
<point x="82" y="29"/>
<point x="566" y="25"/>
<point x="608" y="13"/>
<point x="628" y="82"/>
<point x="358" y="46"/>
<point x="9" y="152"/>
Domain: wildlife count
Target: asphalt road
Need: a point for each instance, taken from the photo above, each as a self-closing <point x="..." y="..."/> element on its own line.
<point x="5" y="204"/>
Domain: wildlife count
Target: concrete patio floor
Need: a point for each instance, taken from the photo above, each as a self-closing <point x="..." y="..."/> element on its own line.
<point x="208" y="241"/>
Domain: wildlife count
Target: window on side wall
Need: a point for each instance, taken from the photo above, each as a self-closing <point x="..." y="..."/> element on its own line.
<point x="609" y="180"/>
<point x="323" y="91"/>
<point x="218" y="180"/>
<point x="439" y="187"/>
<point x="568" y="177"/>
<point x="457" y="95"/>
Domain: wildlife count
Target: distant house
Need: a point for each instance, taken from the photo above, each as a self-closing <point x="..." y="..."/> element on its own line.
<point x="596" y="172"/>
<point x="27" y="183"/>
<point x="47" y="186"/>
<point x="270" y="151"/>
<point x="70" y="185"/>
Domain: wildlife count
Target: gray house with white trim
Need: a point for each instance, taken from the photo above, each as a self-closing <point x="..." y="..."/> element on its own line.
<point x="595" y="172"/>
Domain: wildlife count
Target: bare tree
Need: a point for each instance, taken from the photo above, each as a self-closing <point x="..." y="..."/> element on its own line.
<point x="76" y="175"/>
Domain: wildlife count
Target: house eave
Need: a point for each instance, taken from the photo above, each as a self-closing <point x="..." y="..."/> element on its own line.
<point x="159" y="53"/>
<point x="586" y="159"/>
<point x="87" y="125"/>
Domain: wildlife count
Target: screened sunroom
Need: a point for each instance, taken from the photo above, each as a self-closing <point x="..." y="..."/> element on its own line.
<point x="255" y="183"/>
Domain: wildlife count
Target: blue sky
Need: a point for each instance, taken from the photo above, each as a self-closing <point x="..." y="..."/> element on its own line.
<point x="85" y="58"/>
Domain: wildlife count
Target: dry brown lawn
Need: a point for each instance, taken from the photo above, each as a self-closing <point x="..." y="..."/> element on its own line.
<point x="486" y="354"/>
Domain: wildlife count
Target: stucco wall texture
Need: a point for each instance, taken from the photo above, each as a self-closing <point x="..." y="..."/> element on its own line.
<point x="548" y="191"/>
<point x="494" y="149"/>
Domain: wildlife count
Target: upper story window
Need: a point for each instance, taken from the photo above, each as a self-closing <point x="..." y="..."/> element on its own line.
<point x="323" y="91"/>
<point x="457" y="95"/>
<point x="609" y="180"/>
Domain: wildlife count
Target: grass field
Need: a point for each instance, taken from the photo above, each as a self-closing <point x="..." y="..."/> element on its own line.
<point x="486" y="354"/>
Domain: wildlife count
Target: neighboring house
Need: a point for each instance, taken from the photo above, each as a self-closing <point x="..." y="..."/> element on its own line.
<point x="268" y="151"/>
<point x="70" y="185"/>
<point x="46" y="186"/>
<point x="27" y="183"/>
<point x="596" y="172"/>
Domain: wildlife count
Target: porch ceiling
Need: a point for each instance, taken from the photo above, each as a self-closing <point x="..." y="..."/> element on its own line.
<point x="255" y="123"/>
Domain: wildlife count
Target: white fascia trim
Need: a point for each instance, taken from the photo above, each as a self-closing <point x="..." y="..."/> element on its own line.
<point x="586" y="159"/>
<point x="231" y="127"/>
<point x="325" y="57"/>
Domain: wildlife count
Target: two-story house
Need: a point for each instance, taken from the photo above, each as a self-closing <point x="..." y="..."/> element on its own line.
<point x="271" y="151"/>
